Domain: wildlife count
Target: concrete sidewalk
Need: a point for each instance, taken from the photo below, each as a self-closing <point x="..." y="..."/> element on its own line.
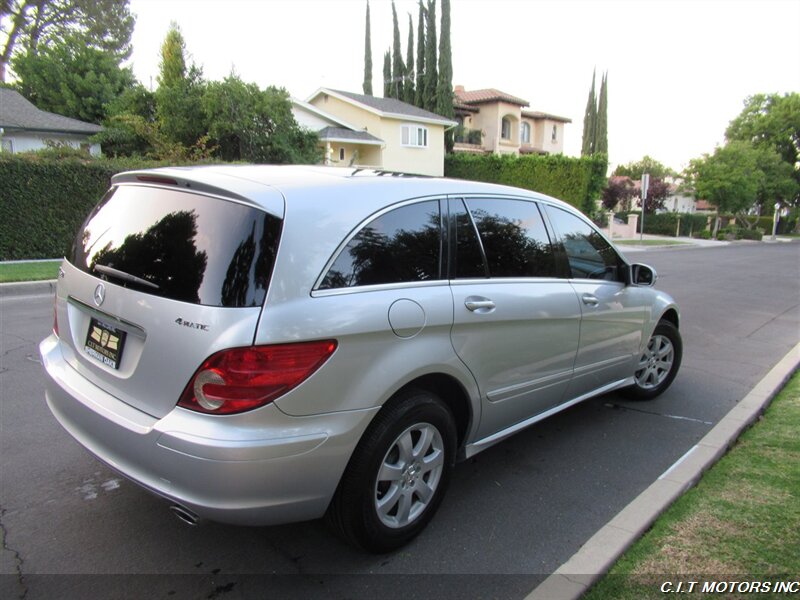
<point x="686" y="242"/>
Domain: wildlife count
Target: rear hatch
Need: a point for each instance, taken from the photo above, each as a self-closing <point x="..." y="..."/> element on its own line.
<point x="159" y="279"/>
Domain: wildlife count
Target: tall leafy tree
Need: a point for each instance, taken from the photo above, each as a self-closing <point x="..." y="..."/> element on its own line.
<point x="130" y="126"/>
<point x="179" y="92"/>
<point x="367" y="86"/>
<point x="771" y="121"/>
<point x="30" y="25"/>
<point x="387" y="74"/>
<point x="72" y="79"/>
<point x="398" y="68"/>
<point x="601" y="129"/>
<point x="589" y="122"/>
<point x="647" y="164"/>
<point x="729" y="179"/>
<point x="431" y="73"/>
<point x="419" y="95"/>
<point x="408" y="84"/>
<point x="254" y="125"/>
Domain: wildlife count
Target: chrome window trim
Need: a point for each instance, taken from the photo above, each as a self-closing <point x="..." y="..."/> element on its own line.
<point x="315" y="289"/>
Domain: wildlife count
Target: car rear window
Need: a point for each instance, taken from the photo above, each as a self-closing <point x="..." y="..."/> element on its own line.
<point x="180" y="245"/>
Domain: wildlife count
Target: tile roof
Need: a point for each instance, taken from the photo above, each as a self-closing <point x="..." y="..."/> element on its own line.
<point x="535" y="114"/>
<point x="487" y="95"/>
<point x="391" y="106"/>
<point x="18" y="113"/>
<point x="340" y="133"/>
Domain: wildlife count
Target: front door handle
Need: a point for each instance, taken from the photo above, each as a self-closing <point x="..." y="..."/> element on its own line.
<point x="479" y="304"/>
<point x="590" y="300"/>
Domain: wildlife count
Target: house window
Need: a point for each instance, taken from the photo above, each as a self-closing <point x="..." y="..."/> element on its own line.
<point x="341" y="154"/>
<point x="505" y="130"/>
<point x="525" y="133"/>
<point x="555" y="134"/>
<point x="7" y="145"/>
<point x="414" y="135"/>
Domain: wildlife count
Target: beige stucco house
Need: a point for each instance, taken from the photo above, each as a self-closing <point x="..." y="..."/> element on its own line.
<point x="497" y="122"/>
<point x="382" y="133"/>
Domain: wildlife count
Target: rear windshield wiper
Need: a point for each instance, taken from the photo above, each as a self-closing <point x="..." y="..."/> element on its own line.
<point x="124" y="276"/>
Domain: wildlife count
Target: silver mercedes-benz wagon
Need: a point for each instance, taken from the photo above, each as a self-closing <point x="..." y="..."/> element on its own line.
<point x="262" y="344"/>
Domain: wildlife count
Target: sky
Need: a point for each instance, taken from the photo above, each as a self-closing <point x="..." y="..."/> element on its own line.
<point x="678" y="70"/>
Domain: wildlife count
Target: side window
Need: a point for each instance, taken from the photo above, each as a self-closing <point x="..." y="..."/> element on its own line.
<point x="589" y="255"/>
<point x="401" y="245"/>
<point x="468" y="262"/>
<point x="514" y="238"/>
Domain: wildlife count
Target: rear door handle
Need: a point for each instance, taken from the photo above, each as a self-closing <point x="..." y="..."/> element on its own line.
<point x="590" y="300"/>
<point x="479" y="304"/>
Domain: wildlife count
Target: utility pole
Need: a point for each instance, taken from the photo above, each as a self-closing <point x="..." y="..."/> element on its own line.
<point x="645" y="185"/>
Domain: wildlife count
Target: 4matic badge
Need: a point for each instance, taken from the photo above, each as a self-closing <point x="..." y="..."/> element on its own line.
<point x="191" y="324"/>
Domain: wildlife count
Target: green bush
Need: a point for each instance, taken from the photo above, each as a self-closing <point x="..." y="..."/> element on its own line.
<point x="704" y="235"/>
<point x="785" y="225"/>
<point x="45" y="198"/>
<point x="577" y="181"/>
<point x="734" y="232"/>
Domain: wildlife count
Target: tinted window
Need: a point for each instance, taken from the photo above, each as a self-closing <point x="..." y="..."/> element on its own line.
<point x="180" y="246"/>
<point x="402" y="245"/>
<point x="514" y="238"/>
<point x="468" y="260"/>
<point x="589" y="255"/>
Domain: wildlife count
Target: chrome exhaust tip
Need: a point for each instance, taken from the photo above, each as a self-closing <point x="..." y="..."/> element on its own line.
<point x="184" y="515"/>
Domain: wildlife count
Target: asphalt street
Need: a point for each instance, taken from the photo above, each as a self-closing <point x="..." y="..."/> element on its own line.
<point x="73" y="528"/>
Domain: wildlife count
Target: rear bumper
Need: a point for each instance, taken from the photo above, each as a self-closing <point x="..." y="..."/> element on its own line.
<point x="258" y="468"/>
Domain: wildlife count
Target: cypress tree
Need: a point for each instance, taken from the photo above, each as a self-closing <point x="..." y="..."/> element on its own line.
<point x="589" y="118"/>
<point x="419" y="96"/>
<point x="398" y="68"/>
<point x="409" y="80"/>
<point x="367" y="59"/>
<point x="444" y="91"/>
<point x="387" y="75"/>
<point x="601" y="135"/>
<point x="431" y="75"/>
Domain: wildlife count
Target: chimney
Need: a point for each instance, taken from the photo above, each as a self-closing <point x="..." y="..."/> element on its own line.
<point x="459" y="89"/>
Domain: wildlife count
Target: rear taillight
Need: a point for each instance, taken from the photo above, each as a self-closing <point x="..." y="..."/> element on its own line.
<point x="240" y="379"/>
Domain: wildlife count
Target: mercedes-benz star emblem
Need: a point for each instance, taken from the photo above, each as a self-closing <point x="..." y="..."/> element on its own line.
<point x="99" y="294"/>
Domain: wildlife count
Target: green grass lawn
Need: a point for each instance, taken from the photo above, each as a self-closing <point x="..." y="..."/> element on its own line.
<point x="740" y="523"/>
<point x="650" y="242"/>
<point x="29" y="271"/>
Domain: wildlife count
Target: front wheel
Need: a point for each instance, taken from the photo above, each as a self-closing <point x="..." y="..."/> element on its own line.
<point x="398" y="473"/>
<point x="658" y="364"/>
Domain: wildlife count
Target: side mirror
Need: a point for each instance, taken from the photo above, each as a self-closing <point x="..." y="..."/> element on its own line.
<point x="643" y="275"/>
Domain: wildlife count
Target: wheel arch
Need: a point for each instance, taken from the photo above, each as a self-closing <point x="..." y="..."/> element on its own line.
<point x="452" y="393"/>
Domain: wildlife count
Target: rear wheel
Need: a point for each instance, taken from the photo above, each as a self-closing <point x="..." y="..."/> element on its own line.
<point x="658" y="364"/>
<point x="398" y="474"/>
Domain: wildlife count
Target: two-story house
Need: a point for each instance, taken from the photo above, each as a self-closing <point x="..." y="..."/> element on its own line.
<point x="366" y="131"/>
<point x="494" y="121"/>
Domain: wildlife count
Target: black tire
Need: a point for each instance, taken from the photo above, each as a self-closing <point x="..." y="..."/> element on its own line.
<point x="413" y="417"/>
<point x="658" y="364"/>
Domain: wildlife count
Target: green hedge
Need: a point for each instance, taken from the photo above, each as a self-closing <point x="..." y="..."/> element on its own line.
<point x="785" y="225"/>
<point x="667" y="223"/>
<point x="577" y="181"/>
<point x="44" y="200"/>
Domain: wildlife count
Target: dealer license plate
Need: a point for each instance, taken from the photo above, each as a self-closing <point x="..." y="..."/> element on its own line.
<point x="104" y="343"/>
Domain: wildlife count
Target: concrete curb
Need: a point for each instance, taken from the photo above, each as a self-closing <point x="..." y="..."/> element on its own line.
<point x="572" y="579"/>
<point x="27" y="288"/>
